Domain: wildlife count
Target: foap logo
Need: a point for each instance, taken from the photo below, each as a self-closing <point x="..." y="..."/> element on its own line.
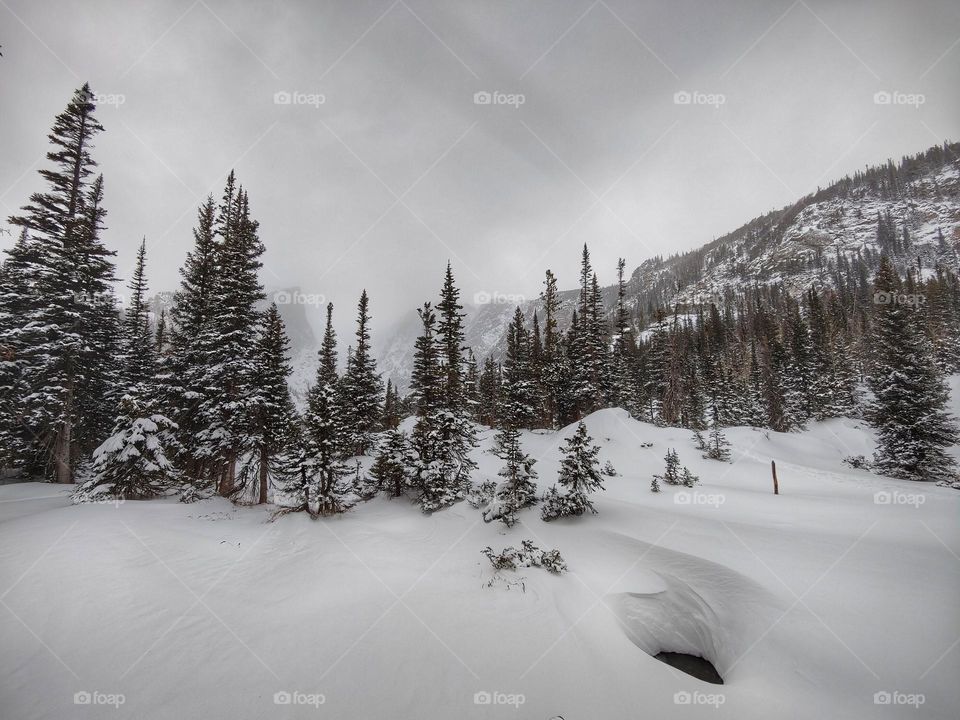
<point x="96" y="697"/>
<point x="299" y="698"/>
<point x="685" y="497"/>
<point x="114" y="99"/>
<point x="698" y="698"/>
<point x="895" y="697"/>
<point x="884" y="297"/>
<point x="695" y="97"/>
<point x="895" y="497"/>
<point x="295" y="297"/>
<point x="484" y="697"/>
<point x="482" y="97"/>
<point x="895" y="97"/>
<point x="314" y="100"/>
<point x="498" y="298"/>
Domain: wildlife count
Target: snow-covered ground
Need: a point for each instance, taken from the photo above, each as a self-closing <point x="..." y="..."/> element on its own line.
<point x="809" y="603"/>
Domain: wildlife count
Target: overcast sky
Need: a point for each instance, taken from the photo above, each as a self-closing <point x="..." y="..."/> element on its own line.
<point x="385" y="165"/>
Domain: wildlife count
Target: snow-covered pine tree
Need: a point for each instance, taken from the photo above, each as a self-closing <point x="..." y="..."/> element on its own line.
<point x="361" y="388"/>
<point x="315" y="476"/>
<point x="579" y="476"/>
<point x="229" y="339"/>
<point x="99" y="324"/>
<point x="718" y="448"/>
<point x="518" y="489"/>
<point x="139" y="351"/>
<point x="490" y="385"/>
<point x="675" y="474"/>
<point x="183" y="379"/>
<point x="436" y="473"/>
<point x="518" y="396"/>
<point x="552" y="373"/>
<point x="622" y="391"/>
<point x="909" y="411"/>
<point x="271" y="434"/>
<point x="134" y="462"/>
<point x="797" y="381"/>
<point x="391" y="418"/>
<point x="60" y="259"/>
<point x="393" y="462"/>
<point x="588" y="351"/>
<point x="457" y="429"/>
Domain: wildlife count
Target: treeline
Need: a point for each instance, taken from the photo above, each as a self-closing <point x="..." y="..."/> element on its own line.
<point x="133" y="406"/>
<point x="757" y="356"/>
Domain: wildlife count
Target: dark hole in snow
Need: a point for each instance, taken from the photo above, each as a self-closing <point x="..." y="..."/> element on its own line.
<point x="691" y="665"/>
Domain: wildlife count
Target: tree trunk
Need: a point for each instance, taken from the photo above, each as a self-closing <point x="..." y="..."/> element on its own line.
<point x="776" y="485"/>
<point x="229" y="474"/>
<point x="264" y="475"/>
<point x="61" y="450"/>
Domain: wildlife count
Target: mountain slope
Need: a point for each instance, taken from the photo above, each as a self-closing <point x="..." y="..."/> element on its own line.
<point x="796" y="245"/>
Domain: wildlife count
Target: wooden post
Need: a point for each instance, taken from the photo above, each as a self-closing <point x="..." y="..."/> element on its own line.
<point x="776" y="485"/>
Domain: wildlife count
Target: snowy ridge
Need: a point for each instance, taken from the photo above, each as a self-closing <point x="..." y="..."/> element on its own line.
<point x="797" y="245"/>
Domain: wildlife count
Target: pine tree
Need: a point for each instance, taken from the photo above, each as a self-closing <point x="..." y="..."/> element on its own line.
<point x="623" y="393"/>
<point x="718" y="448"/>
<point x="361" y="388"/>
<point x="229" y="339"/>
<point x="910" y="397"/>
<point x="192" y="314"/>
<point x="135" y="460"/>
<point x="133" y="463"/>
<point x="57" y="262"/>
<point x="518" y="488"/>
<point x="518" y="395"/>
<point x="588" y="351"/>
<point x="272" y="411"/>
<point x="139" y="356"/>
<point x="490" y="386"/>
<point x="393" y="462"/>
<point x="552" y="364"/>
<point x="317" y="472"/>
<point x="579" y="476"/>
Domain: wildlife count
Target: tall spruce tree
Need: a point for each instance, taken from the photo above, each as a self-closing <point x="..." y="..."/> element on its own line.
<point x="59" y="260"/>
<point x="271" y="436"/>
<point x="229" y="339"/>
<point x="909" y="410"/>
<point x="361" y="388"/>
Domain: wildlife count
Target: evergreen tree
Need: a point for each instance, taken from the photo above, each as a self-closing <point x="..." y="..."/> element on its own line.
<point x="519" y="394"/>
<point x="552" y="373"/>
<point x="57" y="262"/>
<point x="184" y="378"/>
<point x="132" y="464"/>
<point x="518" y="489"/>
<point x="272" y="409"/>
<point x="490" y="386"/>
<point x="361" y="388"/>
<point x="588" y="351"/>
<point x="623" y="393"/>
<point x="393" y="462"/>
<point x="135" y="461"/>
<point x="139" y="355"/>
<point x="910" y="397"/>
<point x="316" y="476"/>
<point x="579" y="476"/>
<point x="229" y="339"/>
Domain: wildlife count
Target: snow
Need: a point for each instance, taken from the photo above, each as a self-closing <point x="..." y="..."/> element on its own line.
<point x="808" y="603"/>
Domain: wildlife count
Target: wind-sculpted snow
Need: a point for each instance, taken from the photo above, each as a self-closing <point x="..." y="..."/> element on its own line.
<point x="830" y="600"/>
